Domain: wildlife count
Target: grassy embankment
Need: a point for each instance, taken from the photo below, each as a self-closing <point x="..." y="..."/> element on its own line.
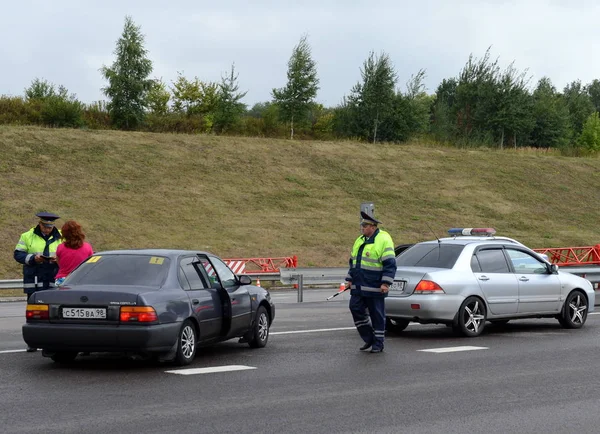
<point x="252" y="197"/>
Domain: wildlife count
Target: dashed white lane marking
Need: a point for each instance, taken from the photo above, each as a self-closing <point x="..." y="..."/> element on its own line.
<point x="195" y="371"/>
<point x="453" y="349"/>
<point x="12" y="351"/>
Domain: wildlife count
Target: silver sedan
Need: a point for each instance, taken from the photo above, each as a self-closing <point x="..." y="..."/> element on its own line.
<point x="464" y="281"/>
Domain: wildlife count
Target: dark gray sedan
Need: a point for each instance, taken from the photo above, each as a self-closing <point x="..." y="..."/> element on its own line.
<point x="163" y="303"/>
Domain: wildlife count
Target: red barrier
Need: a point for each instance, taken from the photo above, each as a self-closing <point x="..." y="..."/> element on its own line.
<point x="565" y="256"/>
<point x="261" y="265"/>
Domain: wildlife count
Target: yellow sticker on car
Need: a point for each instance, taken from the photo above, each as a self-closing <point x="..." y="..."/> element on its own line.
<point x="157" y="260"/>
<point x="94" y="259"/>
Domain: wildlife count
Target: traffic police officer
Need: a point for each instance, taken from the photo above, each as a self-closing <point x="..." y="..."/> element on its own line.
<point x="36" y="250"/>
<point x="372" y="271"/>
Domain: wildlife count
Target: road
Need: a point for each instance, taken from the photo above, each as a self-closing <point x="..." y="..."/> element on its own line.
<point x="530" y="376"/>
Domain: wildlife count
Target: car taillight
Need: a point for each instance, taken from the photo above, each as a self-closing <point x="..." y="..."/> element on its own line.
<point x="138" y="314"/>
<point x="36" y="311"/>
<point x="428" y="287"/>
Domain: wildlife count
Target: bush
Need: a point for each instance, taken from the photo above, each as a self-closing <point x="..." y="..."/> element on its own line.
<point x="17" y="111"/>
<point x="58" y="111"/>
<point x="96" y="117"/>
<point x="174" y="123"/>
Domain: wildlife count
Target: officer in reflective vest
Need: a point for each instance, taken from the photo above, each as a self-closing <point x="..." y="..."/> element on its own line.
<point x="372" y="271"/>
<point x="36" y="250"/>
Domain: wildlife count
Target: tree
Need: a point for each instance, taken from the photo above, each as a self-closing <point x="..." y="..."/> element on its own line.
<point x="229" y="107"/>
<point x="39" y="90"/>
<point x="593" y="90"/>
<point x="294" y="100"/>
<point x="512" y="112"/>
<point x="551" y="117"/>
<point x="128" y="83"/>
<point x="443" y="111"/>
<point x="194" y="97"/>
<point x="417" y="115"/>
<point x="372" y="100"/>
<point x="590" y="135"/>
<point x="579" y="103"/>
<point x="158" y="98"/>
<point x="476" y="98"/>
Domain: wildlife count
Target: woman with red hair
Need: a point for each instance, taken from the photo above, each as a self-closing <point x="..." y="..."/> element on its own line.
<point x="72" y="251"/>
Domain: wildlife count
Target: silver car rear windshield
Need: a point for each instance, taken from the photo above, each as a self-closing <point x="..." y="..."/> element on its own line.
<point x="128" y="270"/>
<point x="430" y="255"/>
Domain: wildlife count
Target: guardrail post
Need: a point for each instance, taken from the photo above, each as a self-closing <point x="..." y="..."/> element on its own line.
<point x="300" y="287"/>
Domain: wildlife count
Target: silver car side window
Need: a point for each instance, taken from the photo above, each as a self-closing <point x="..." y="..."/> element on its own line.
<point x="524" y="263"/>
<point x="492" y="261"/>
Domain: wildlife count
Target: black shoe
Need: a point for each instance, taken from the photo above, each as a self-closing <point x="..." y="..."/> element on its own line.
<point x="31" y="350"/>
<point x="366" y="346"/>
<point x="376" y="350"/>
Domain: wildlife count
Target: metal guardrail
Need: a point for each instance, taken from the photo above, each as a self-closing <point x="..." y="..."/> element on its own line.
<point x="11" y="284"/>
<point x="313" y="276"/>
<point x="334" y="276"/>
<point x="18" y="283"/>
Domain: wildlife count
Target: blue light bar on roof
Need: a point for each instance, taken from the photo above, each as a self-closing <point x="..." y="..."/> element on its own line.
<point x="472" y="231"/>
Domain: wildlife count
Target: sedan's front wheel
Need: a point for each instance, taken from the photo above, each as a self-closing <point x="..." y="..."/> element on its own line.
<point x="471" y="317"/>
<point x="260" y="330"/>
<point x="186" y="344"/>
<point x="574" y="311"/>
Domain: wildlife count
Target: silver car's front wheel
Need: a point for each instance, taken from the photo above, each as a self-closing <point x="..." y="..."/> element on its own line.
<point x="471" y="317"/>
<point x="574" y="311"/>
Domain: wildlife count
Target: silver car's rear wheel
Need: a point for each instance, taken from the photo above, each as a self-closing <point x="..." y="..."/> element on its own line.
<point x="471" y="317"/>
<point x="395" y="325"/>
<point x="574" y="311"/>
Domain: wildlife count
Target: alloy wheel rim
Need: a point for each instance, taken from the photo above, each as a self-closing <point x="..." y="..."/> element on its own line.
<point x="263" y="327"/>
<point x="577" y="306"/>
<point x="474" y="317"/>
<point x="187" y="342"/>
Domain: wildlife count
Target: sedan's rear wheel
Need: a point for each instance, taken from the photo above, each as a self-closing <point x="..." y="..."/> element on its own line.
<point x="471" y="317"/>
<point x="395" y="325"/>
<point x="260" y="330"/>
<point x="574" y="311"/>
<point x="186" y="344"/>
<point x="64" y="356"/>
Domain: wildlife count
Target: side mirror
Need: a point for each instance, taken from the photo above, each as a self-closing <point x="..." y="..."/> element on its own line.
<point x="244" y="279"/>
<point x="553" y="268"/>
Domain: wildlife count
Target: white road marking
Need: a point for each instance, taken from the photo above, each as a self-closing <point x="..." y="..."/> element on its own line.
<point x="291" y="332"/>
<point x="12" y="351"/>
<point x="453" y="349"/>
<point x="195" y="371"/>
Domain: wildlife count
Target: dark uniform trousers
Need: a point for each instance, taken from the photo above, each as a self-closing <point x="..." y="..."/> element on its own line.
<point x="371" y="331"/>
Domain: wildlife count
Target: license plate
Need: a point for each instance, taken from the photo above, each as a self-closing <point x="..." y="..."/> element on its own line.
<point x="84" y="313"/>
<point x="398" y="285"/>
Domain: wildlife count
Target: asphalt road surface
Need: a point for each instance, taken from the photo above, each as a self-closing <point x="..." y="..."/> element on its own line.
<point x="529" y="376"/>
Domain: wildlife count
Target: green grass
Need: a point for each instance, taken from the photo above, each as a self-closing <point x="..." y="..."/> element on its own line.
<point x="252" y="197"/>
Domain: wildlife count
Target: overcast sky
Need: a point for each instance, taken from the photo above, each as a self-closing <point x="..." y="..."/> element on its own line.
<point x="67" y="41"/>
